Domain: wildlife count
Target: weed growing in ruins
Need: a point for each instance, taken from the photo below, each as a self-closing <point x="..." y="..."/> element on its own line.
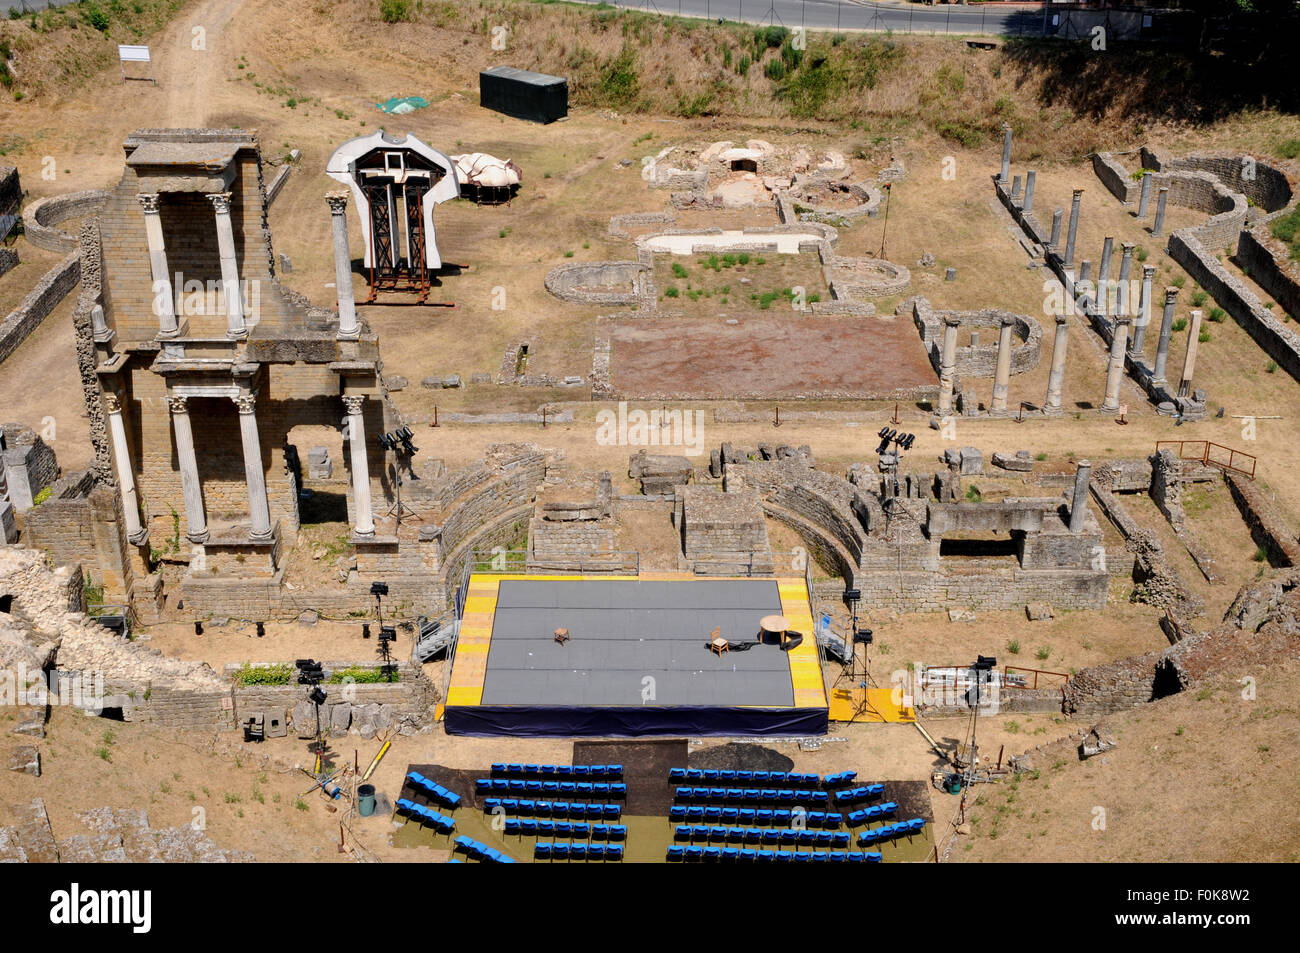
<point x="1217" y="315"/>
<point x="973" y="494"/>
<point x="1014" y="646"/>
<point x="679" y="271"/>
<point x="1260" y="554"/>
<point x="1270" y="367"/>
<point x="1141" y="254"/>
<point x="1203" y="336"/>
<point x="300" y="805"/>
<point x="1180" y="324"/>
<point x="249" y="674"/>
<point x="362" y="676"/>
<point x="1199" y="298"/>
<point x="1043" y="652"/>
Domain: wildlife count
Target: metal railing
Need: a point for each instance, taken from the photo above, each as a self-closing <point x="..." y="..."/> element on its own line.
<point x="1016" y="681"/>
<point x="1212" y="454"/>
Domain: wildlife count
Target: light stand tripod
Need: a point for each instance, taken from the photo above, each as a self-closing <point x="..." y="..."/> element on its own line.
<point x="399" y="442"/>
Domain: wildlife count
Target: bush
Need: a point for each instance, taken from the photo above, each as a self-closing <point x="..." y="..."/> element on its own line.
<point x="42" y="496"/>
<point x="774" y="70"/>
<point x="250" y="674"/>
<point x="97" y="18"/>
<point x="1287" y="150"/>
<point x="362" y="676"/>
<point x="671" y="291"/>
<point x="620" y="86"/>
<point x="1217" y="315"/>
<point x="395" y="11"/>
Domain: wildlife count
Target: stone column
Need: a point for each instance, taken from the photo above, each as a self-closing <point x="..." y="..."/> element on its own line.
<point x="360" y="467"/>
<point x="1056" y="377"/>
<point x="1144" y="309"/>
<point x="99" y="327"/>
<point x="348" y="327"/>
<point x="1030" y="176"/>
<point x="1055" y="241"/>
<point x="948" y="365"/>
<point x="1015" y="188"/>
<point x="1115" y="370"/>
<point x="164" y="298"/>
<point x="1103" y="275"/>
<point x="191" y="487"/>
<point x="1144" y="199"/>
<point x="235" y="326"/>
<point x="1082" y="286"/>
<point x="1002" y="375"/>
<point x="1189" y="363"/>
<point x="1074" y="227"/>
<point x="1160" y="210"/>
<point x="1079" y="504"/>
<point x="1166" y="328"/>
<point x="1125" y="265"/>
<point x="136" y="533"/>
<point x="1006" y="154"/>
<point x="258" y="508"/>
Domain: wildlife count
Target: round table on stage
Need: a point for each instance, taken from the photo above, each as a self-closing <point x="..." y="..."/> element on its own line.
<point x="774" y="624"/>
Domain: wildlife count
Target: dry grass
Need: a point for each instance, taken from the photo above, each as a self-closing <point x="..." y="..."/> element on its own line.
<point x="1198" y="776"/>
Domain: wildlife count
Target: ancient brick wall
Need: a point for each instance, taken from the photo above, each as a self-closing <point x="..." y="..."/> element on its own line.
<point x="1268" y="527"/>
<point x="78" y="525"/>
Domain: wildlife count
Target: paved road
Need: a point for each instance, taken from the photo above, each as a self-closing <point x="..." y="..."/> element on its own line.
<point x="902" y="17"/>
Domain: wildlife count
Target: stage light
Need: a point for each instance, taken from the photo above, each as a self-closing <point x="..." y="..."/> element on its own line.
<point x="317" y="696"/>
<point x="379" y="589"/>
<point x="852" y="595"/>
<point x="198" y="628"/>
<point x="261" y="629"/>
<point x="365" y="630"/>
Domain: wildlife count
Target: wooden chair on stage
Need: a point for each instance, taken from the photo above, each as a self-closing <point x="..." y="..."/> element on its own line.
<point x="717" y="644"/>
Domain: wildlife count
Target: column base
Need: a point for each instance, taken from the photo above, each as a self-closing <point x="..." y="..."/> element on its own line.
<point x="139" y="538"/>
<point x="357" y="534"/>
<point x="1108" y="408"/>
<point x="349" y="335"/>
<point x="198" y="538"/>
<point x="239" y="335"/>
<point x="168" y="335"/>
<point x="265" y="537"/>
<point x="1050" y="411"/>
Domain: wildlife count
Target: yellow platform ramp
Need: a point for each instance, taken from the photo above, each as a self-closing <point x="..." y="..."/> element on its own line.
<point x="880" y="707"/>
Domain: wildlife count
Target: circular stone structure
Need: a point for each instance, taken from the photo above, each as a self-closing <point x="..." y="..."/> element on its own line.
<point x="599" y="282"/>
<point x="822" y="199"/>
<point x="781" y="239"/>
<point x="867" y="277"/>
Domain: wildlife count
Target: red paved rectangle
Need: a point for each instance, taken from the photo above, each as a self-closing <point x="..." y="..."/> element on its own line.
<point x="875" y="358"/>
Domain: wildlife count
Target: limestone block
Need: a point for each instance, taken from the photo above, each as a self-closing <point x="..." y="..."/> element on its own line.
<point x="1098" y="740"/>
<point x="304" y="719"/>
<point x="1020" y="461"/>
<point x="8" y="529"/>
<point x="972" y="461"/>
<point x="27" y="759"/>
<point x="363" y="719"/>
<point x="961" y="615"/>
<point x="1038" y="611"/>
<point x="340" y="719"/>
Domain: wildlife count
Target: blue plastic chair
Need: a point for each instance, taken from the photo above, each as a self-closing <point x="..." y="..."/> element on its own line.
<point x="676" y="853"/>
<point x="560" y="849"/>
<point x="676" y="774"/>
<point x="677" y="812"/>
<point x="542" y="850"/>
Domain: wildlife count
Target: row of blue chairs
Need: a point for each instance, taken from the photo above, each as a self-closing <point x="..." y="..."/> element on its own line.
<point x="436" y="791"/>
<point x="792" y="778"/>
<point x="558" y="850"/>
<point x="559" y="770"/>
<point x="525" y="827"/>
<point x="872" y="813"/>
<point x="603" y="788"/>
<point x="482" y="851"/>
<point x="572" y="809"/>
<point x="761" y="835"/>
<point x="839" y="780"/>
<point x="890" y="831"/>
<point x="753" y="795"/>
<point x="788" y="856"/>
<point x="862" y="792"/>
<point x="409" y="809"/>
<point x="749" y="815"/>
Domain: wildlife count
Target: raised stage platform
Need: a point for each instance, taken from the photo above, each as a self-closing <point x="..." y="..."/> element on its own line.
<point x="637" y="660"/>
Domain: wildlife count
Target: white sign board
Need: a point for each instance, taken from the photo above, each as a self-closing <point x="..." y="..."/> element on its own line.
<point x="134" y="54"/>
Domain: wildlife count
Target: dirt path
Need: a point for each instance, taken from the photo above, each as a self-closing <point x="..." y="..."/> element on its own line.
<point x="191" y="75"/>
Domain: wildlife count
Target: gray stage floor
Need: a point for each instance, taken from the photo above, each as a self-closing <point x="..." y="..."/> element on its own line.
<point x="623" y="632"/>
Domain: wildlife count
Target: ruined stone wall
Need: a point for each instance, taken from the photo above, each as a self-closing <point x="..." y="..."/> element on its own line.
<point x="1268" y="270"/>
<point x="11" y="190"/>
<point x="1115" y="177"/>
<point x="40" y="217"/>
<point x="1268" y="527"/>
<point x="568" y="545"/>
<point x="40" y="301"/>
<point x="29" y="465"/>
<point x="1269" y="332"/>
<point x="78" y="525"/>
<point x="979" y="361"/>
<point x="1267" y="186"/>
<point x="8" y="260"/>
<point x="989" y="589"/>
